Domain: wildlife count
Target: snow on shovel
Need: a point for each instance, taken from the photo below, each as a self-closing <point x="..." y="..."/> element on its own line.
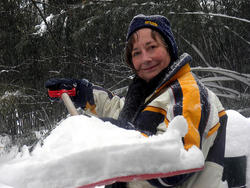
<point x="64" y="95"/>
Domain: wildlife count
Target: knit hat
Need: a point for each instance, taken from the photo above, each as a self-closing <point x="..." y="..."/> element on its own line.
<point x="158" y="23"/>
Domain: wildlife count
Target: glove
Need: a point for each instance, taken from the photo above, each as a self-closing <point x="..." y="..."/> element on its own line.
<point x="84" y="90"/>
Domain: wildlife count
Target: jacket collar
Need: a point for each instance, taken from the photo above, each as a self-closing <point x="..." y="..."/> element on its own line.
<point x="177" y="69"/>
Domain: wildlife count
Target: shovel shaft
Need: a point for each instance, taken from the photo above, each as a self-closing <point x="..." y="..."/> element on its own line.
<point x="69" y="104"/>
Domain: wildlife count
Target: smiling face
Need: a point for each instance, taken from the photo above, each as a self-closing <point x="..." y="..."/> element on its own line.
<point x="149" y="54"/>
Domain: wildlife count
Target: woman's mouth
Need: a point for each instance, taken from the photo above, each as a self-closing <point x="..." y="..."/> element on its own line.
<point x="148" y="69"/>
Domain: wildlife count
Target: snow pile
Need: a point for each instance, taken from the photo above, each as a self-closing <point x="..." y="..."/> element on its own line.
<point x="84" y="150"/>
<point x="238" y="139"/>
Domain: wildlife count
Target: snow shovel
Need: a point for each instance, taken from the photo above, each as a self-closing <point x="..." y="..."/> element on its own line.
<point x="64" y="95"/>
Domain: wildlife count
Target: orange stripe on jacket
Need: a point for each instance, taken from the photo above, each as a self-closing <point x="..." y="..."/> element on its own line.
<point x="213" y="130"/>
<point x="217" y="126"/>
<point x="222" y="113"/>
<point x="91" y="108"/>
<point x="191" y="109"/>
<point x="158" y="110"/>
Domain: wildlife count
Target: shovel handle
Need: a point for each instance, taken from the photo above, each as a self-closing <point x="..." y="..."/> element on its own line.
<point x="58" y="93"/>
<point x="64" y="95"/>
<point x="69" y="104"/>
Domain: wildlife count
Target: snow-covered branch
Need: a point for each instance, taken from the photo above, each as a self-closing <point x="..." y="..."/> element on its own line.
<point x="244" y="78"/>
<point x="214" y="15"/>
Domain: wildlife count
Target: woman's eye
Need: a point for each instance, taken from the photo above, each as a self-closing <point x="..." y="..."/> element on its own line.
<point x="153" y="46"/>
<point x="135" y="54"/>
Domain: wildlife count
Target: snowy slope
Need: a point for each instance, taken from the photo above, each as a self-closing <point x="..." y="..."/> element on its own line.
<point x="83" y="150"/>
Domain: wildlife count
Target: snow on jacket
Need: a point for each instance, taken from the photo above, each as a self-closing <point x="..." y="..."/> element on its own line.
<point x="151" y="106"/>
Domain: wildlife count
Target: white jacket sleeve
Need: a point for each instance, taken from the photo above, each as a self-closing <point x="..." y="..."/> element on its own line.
<point x="107" y="106"/>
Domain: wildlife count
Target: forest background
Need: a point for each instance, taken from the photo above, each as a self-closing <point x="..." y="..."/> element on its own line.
<point x="86" y="39"/>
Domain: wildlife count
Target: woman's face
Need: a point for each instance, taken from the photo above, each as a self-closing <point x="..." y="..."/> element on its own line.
<point x="149" y="55"/>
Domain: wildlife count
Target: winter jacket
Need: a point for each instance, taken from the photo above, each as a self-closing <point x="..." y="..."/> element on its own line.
<point x="151" y="106"/>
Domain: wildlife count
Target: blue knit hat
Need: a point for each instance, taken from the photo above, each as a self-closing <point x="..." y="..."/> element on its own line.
<point x="158" y="23"/>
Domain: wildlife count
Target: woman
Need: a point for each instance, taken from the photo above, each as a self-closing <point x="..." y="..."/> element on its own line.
<point x="163" y="88"/>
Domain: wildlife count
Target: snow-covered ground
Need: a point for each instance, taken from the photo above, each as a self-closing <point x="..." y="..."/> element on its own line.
<point x="84" y="150"/>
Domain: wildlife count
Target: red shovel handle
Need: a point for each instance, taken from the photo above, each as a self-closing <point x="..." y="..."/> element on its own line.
<point x="64" y="95"/>
<point x="58" y="93"/>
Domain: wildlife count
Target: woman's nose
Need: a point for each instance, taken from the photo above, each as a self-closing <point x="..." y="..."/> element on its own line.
<point x="146" y="56"/>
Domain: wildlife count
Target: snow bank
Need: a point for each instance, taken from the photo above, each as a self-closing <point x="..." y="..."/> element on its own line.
<point x="84" y="150"/>
<point x="237" y="138"/>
